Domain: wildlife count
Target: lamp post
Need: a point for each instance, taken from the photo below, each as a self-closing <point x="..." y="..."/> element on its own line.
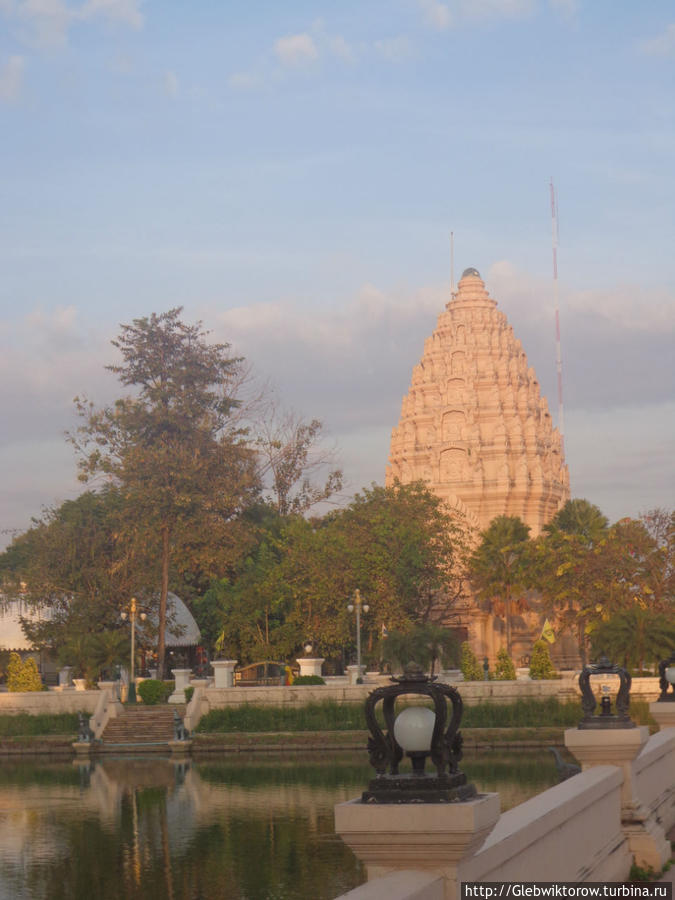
<point x="358" y="605"/>
<point x="131" y="615"/>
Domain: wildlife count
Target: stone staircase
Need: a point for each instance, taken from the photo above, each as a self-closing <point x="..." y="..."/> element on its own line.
<point x="140" y="729"/>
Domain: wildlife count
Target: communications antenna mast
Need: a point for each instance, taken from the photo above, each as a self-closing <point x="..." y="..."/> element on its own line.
<point x="558" y="354"/>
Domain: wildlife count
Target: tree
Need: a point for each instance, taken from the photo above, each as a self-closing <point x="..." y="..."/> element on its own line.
<point x="586" y="583"/>
<point x="399" y="545"/>
<point x="498" y="567"/>
<point x="423" y="644"/>
<point x="504" y="669"/>
<point x="541" y="667"/>
<point x="471" y="668"/>
<point x="23" y="676"/>
<point x="290" y="453"/>
<point x="184" y="470"/>
<point x="581" y="518"/>
<point x="72" y="564"/>
<point x="635" y="638"/>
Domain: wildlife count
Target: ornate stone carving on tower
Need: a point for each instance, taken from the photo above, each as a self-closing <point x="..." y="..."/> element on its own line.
<point x="474" y="425"/>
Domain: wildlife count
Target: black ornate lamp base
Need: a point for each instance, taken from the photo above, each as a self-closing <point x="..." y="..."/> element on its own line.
<point x="419" y="789"/>
<point x="603" y="722"/>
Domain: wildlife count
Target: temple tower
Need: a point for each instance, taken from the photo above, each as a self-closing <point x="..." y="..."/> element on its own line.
<point x="474" y="425"/>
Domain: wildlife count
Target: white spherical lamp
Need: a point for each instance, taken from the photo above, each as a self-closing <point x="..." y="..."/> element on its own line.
<point x="414" y="728"/>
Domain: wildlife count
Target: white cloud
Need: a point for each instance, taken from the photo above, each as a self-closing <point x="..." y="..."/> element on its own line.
<point x="340" y="48"/>
<point x="47" y="22"/>
<point x="662" y="44"/>
<point x="126" y="12"/>
<point x="435" y="14"/>
<point x="296" y="50"/>
<point x="395" y="49"/>
<point x="11" y="78"/>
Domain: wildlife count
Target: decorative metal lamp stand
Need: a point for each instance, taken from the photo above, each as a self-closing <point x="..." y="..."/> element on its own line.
<point x="606" y="719"/>
<point x="667" y="679"/>
<point x="419" y="733"/>
<point x="663" y="709"/>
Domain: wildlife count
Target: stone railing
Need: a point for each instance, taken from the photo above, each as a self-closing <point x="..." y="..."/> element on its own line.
<point x="588" y="828"/>
<point x="108" y="707"/>
<point x="338" y="690"/>
<point x="37" y="702"/>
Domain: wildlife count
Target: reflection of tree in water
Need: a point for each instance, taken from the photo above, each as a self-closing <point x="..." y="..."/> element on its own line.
<point x="260" y="829"/>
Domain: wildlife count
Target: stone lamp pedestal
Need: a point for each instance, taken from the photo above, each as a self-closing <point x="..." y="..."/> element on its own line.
<point x="434" y="837"/>
<point x="182" y="677"/>
<point x="354" y="672"/>
<point x="223" y="671"/>
<point x="619" y="747"/>
<point x="663" y="713"/>
<point x="310" y="666"/>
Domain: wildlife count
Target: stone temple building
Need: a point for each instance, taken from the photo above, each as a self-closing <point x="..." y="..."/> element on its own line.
<point x="475" y="427"/>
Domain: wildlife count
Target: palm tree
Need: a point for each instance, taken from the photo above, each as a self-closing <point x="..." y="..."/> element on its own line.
<point x="634" y="636"/>
<point x="498" y="568"/>
<point x="423" y="644"/>
<point x="581" y="518"/>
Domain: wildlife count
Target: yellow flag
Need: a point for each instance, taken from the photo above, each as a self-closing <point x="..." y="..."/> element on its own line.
<point x="547" y="632"/>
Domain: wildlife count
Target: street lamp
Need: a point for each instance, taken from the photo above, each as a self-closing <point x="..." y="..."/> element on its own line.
<point x="358" y="605"/>
<point x="419" y="733"/>
<point x="131" y="615"/>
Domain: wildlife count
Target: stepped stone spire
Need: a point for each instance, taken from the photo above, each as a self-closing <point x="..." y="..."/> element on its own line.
<point x="474" y="425"/>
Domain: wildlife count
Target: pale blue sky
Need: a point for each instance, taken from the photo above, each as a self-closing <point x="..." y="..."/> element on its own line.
<point x="290" y="172"/>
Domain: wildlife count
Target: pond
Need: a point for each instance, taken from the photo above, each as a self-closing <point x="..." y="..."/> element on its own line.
<point x="243" y="828"/>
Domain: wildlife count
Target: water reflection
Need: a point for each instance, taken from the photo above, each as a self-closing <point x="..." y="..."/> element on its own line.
<point x="257" y="828"/>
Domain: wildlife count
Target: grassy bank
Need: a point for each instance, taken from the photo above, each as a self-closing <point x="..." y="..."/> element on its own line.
<point x="41" y="725"/>
<point x="331" y="716"/>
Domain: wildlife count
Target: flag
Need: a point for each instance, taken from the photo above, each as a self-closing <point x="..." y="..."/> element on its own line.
<point x="547" y="632"/>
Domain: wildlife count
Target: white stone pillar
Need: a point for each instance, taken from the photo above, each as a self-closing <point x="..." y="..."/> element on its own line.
<point x="436" y="837"/>
<point x="619" y="747"/>
<point x="354" y="672"/>
<point x="311" y="666"/>
<point x="663" y="712"/>
<point x="64" y="676"/>
<point x="182" y="677"/>
<point x="223" y="671"/>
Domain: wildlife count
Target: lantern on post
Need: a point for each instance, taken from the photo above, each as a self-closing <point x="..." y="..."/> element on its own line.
<point x="607" y="718"/>
<point x="418" y="732"/>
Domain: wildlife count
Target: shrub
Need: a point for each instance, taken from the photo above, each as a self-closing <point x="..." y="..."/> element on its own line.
<point x="152" y="691"/>
<point x="504" y="669"/>
<point x="541" y="667"/>
<point x="23" y="676"/>
<point x="471" y="668"/>
<point x="308" y="679"/>
<point x="189" y="691"/>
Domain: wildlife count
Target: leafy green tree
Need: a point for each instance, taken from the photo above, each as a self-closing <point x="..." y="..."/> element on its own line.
<point x="581" y="518"/>
<point x="71" y="563"/>
<point x="398" y="545"/>
<point x="471" y="668"/>
<point x="183" y="466"/>
<point x="586" y="582"/>
<point x="636" y="638"/>
<point x="504" y="668"/>
<point x="424" y="644"/>
<point x="541" y="666"/>
<point x="499" y="568"/>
